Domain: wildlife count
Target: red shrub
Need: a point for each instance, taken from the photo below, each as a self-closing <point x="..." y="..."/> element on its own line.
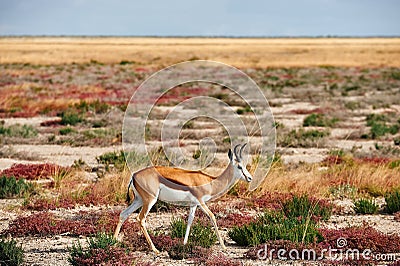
<point x="332" y="160"/>
<point x="220" y="259"/>
<point x="362" y="238"/>
<point x="235" y="219"/>
<point x="111" y="256"/>
<point x="49" y="204"/>
<point x="69" y="201"/>
<point x="176" y="250"/>
<point x="309" y="111"/>
<point x="271" y="200"/>
<point x="32" y="171"/>
<point x="373" y="160"/>
<point x="84" y="223"/>
<point x="51" y="123"/>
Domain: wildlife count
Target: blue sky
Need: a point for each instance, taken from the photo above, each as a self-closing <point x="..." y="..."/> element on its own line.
<point x="201" y="17"/>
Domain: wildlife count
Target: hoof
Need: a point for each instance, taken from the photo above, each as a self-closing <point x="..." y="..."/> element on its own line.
<point x="156" y="251"/>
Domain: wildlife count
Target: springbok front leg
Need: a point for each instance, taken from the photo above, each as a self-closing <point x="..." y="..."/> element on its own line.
<point x="190" y="220"/>
<point x="207" y="211"/>
<point x="136" y="204"/>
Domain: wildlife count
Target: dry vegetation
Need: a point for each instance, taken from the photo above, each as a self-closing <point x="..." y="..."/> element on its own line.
<point x="158" y="52"/>
<point x="336" y="106"/>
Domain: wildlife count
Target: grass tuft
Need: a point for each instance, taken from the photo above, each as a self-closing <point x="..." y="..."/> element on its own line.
<point x="318" y="120"/>
<point x="10" y="253"/>
<point x="11" y="187"/>
<point x="393" y="201"/>
<point x="365" y="206"/>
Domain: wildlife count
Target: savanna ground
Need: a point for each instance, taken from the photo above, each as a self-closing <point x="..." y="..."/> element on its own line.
<point x="336" y="103"/>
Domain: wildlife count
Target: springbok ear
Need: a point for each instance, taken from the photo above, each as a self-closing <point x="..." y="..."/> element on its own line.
<point x="230" y="155"/>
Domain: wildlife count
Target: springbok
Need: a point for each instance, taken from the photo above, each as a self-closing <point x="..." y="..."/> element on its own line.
<point x="193" y="188"/>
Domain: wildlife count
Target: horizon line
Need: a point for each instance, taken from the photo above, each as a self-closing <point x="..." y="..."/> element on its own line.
<point x="197" y="36"/>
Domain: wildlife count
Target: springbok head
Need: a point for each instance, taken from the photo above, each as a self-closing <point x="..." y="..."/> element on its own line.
<point x="240" y="170"/>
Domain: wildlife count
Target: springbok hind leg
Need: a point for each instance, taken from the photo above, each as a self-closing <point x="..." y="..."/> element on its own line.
<point x="207" y="211"/>
<point x="136" y="204"/>
<point x="142" y="222"/>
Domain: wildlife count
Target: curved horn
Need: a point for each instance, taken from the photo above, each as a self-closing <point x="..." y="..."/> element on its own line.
<point x="235" y="150"/>
<point x="241" y="149"/>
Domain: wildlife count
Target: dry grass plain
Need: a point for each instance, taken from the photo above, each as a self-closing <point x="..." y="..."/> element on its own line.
<point x="242" y="53"/>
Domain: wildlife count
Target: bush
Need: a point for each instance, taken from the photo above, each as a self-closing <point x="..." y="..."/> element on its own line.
<point x="302" y="138"/>
<point x="275" y="226"/>
<point x="393" y="202"/>
<point x="318" y="120"/>
<point x="119" y="159"/>
<point x="10" y="187"/>
<point x="116" y="159"/>
<point x="201" y="238"/>
<point x="70" y="117"/>
<point x="66" y="130"/>
<point x="365" y="206"/>
<point x="200" y="234"/>
<point x="101" y="250"/>
<point x="10" y="253"/>
<point x="177" y="251"/>
<point x="24" y="131"/>
<point x="220" y="260"/>
<point x="33" y="171"/>
<point x="378" y="125"/>
<point x="303" y="207"/>
<point x="362" y="237"/>
<point x="96" y="107"/>
<point x="379" y="129"/>
<point x="47" y="224"/>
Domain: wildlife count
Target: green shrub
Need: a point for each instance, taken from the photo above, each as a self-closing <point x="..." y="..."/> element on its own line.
<point x="394" y="164"/>
<point x="318" y="120"/>
<point x="99" y="123"/>
<point x="365" y="206"/>
<point x="393" y="201"/>
<point x="119" y="159"/>
<point x="4" y="130"/>
<point x="379" y="129"/>
<point x="10" y="253"/>
<point x="70" y="117"/>
<point x="200" y="234"/>
<point x="343" y="191"/>
<point x="303" y="206"/>
<point x="275" y="226"/>
<point x="352" y="105"/>
<point x="102" y="241"/>
<point x="246" y="109"/>
<point x="302" y="138"/>
<point x="17" y="130"/>
<point x="11" y="187"/>
<point x="96" y="107"/>
<point x="378" y="125"/>
<point x="395" y="75"/>
<point x="66" y="130"/>
<point x="375" y="118"/>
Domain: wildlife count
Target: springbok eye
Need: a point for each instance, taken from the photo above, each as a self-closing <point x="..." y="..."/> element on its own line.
<point x="239" y="167"/>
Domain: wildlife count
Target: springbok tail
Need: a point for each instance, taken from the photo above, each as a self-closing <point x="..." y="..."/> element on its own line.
<point x="128" y="196"/>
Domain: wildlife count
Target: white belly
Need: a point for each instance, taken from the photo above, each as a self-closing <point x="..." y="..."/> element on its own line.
<point x="176" y="196"/>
